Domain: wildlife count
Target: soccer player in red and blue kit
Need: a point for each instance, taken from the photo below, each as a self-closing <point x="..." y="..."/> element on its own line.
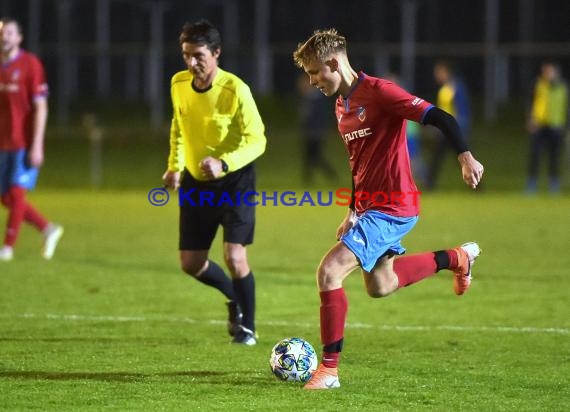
<point x="23" y="117"/>
<point x="371" y="115"/>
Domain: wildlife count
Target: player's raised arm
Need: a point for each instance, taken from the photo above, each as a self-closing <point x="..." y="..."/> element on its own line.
<point x="471" y="169"/>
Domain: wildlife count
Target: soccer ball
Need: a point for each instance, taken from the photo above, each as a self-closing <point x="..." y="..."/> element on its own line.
<point x="293" y="359"/>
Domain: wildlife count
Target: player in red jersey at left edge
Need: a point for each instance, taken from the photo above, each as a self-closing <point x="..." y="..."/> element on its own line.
<point x="372" y="115"/>
<point x="23" y="117"/>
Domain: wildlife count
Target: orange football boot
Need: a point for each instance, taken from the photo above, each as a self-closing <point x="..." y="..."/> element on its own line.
<point x="466" y="255"/>
<point x="323" y="378"/>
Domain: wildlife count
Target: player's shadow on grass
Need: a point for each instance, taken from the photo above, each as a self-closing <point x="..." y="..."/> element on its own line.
<point x="91" y="339"/>
<point x="108" y="376"/>
<point x="197" y="377"/>
<point x="115" y="264"/>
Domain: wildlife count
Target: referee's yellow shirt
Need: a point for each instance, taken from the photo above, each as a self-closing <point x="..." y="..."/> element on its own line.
<point x="222" y="122"/>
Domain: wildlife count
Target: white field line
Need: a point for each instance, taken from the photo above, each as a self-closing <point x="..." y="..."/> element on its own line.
<point x="399" y="328"/>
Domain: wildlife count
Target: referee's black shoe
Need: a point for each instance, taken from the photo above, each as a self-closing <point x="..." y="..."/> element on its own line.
<point x="245" y="337"/>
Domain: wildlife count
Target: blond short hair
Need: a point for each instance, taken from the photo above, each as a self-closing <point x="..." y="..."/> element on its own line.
<point x="319" y="46"/>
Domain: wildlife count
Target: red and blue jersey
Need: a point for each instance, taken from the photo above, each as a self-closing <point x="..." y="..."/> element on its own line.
<point x="372" y="123"/>
<point x="22" y="80"/>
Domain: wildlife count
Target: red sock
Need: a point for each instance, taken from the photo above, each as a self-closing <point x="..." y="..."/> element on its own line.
<point x="413" y="268"/>
<point x="33" y="217"/>
<point x="14" y="200"/>
<point x="330" y="359"/>
<point x="334" y="307"/>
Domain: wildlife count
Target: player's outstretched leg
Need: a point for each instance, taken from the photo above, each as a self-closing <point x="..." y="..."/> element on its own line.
<point x="413" y="268"/>
<point x="466" y="255"/>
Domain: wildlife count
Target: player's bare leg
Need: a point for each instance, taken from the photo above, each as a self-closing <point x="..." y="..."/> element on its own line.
<point x="382" y="281"/>
<point x="196" y="264"/>
<point x="235" y="256"/>
<point x="392" y="273"/>
<point x="337" y="264"/>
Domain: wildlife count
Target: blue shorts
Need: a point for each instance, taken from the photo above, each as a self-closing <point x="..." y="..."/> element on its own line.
<point x="14" y="171"/>
<point x="374" y="234"/>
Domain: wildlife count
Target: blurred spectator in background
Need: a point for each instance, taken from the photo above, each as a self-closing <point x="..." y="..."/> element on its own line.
<point x="315" y="118"/>
<point x="413" y="134"/>
<point x="453" y="98"/>
<point x="547" y="121"/>
<point x="23" y="117"/>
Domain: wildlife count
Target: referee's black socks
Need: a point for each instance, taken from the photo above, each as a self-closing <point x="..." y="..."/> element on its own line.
<point x="244" y="289"/>
<point x="215" y="277"/>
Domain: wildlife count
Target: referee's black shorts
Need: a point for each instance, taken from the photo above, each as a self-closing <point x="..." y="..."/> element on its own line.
<point x="207" y="204"/>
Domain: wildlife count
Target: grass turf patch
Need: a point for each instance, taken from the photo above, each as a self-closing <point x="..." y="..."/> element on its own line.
<point x="112" y="323"/>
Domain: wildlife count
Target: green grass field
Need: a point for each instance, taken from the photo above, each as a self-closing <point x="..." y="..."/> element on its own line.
<point x="112" y="323"/>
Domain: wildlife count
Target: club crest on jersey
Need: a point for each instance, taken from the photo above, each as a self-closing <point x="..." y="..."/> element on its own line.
<point x="361" y="113"/>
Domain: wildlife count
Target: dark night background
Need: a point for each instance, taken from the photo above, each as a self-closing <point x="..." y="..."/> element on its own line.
<point x="443" y="28"/>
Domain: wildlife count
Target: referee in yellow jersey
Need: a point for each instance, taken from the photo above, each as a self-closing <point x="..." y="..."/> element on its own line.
<point x="216" y="134"/>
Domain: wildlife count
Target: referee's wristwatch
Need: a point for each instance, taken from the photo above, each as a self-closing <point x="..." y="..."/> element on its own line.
<point x="225" y="166"/>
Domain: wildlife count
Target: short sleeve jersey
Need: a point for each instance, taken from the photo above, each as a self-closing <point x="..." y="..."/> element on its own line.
<point x="22" y="80"/>
<point x="372" y="123"/>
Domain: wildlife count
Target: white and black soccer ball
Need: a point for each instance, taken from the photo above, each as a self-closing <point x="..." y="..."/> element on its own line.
<point x="293" y="359"/>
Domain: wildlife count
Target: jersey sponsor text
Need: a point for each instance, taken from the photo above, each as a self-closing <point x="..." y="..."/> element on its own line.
<point x="357" y="134"/>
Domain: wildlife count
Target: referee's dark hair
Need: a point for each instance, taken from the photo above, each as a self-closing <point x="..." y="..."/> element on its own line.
<point x="201" y="32"/>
